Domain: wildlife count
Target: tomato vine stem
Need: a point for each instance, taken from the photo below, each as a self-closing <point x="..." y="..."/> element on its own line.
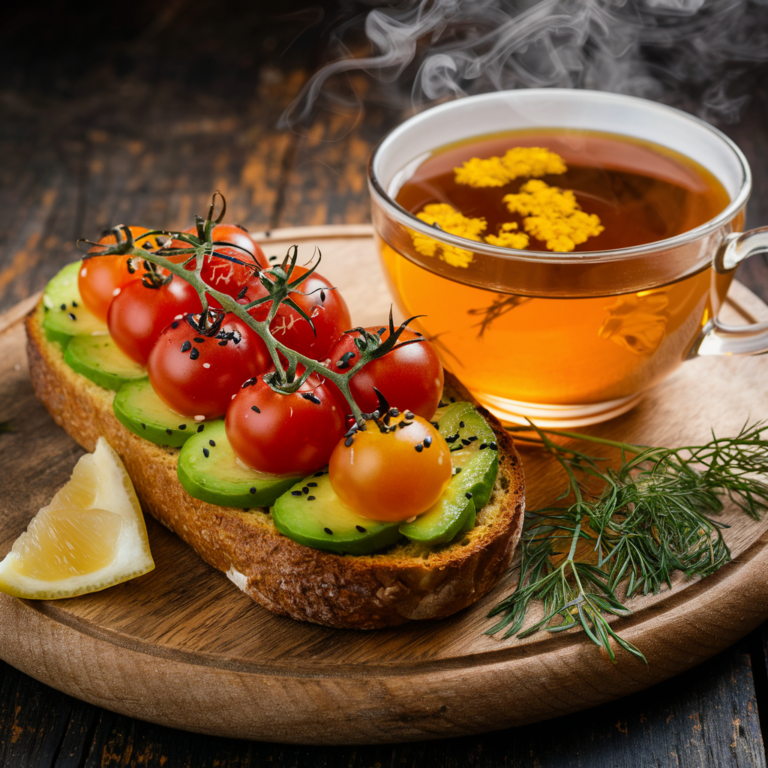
<point x="276" y="280"/>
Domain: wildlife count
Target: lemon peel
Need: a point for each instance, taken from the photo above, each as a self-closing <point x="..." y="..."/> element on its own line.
<point x="91" y="536"/>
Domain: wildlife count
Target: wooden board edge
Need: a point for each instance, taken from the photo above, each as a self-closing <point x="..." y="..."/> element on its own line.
<point x="381" y="708"/>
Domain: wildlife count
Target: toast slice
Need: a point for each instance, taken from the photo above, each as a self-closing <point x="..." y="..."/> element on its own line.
<point x="407" y="581"/>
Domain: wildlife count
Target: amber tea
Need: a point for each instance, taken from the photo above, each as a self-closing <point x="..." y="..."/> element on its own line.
<point x="555" y="192"/>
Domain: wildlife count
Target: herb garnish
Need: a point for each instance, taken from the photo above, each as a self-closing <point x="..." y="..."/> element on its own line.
<point x="648" y="518"/>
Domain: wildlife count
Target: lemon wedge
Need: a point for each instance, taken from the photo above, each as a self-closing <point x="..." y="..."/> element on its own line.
<point x="91" y="536"/>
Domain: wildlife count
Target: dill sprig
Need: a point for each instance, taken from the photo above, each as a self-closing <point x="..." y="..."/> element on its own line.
<point x="627" y="530"/>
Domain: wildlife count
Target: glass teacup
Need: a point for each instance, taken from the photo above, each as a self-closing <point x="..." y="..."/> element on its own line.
<point x="565" y="339"/>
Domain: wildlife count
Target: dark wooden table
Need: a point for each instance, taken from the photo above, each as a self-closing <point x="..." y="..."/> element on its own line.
<point x="136" y="113"/>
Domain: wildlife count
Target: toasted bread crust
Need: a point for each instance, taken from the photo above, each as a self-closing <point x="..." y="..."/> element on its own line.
<point x="288" y="578"/>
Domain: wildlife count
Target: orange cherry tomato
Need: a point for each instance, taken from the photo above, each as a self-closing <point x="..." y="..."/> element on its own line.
<point x="391" y="474"/>
<point x="102" y="278"/>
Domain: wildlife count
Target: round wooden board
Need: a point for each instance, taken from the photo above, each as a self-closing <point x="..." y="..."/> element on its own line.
<point x="183" y="647"/>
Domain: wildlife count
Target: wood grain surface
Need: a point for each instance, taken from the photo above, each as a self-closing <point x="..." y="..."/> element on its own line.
<point x="182" y="647"/>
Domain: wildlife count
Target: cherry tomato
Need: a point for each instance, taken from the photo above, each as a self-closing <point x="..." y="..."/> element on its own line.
<point x="326" y="308"/>
<point x="285" y="434"/>
<point x="222" y="274"/>
<point x="409" y="376"/>
<point x="197" y="375"/>
<point x="138" y="315"/>
<point x="101" y="279"/>
<point x="391" y="474"/>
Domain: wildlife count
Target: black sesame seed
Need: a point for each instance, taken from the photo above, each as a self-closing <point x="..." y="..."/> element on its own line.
<point x="186" y="346"/>
<point x="409" y="415"/>
<point x="452" y="438"/>
<point x="74" y="304"/>
<point x="452" y="399"/>
<point x="441" y="404"/>
<point x="252" y="490"/>
<point x="328" y="531"/>
<point x="312" y="397"/>
<point x="255" y="409"/>
<point x="143" y="425"/>
<point x="349" y="441"/>
<point x="198" y="340"/>
<point x="201" y="428"/>
<point x="457" y="470"/>
<point x="464" y="441"/>
<point x="175" y="324"/>
<point x="462" y="425"/>
<point x="305" y="489"/>
<point x="169" y="431"/>
<point x="71" y="315"/>
<point x="360" y="528"/>
<point x="212" y="443"/>
<point x="427" y="442"/>
<point x="63" y="307"/>
<point x="468" y="495"/>
<point x="194" y="354"/>
<point x="394" y="413"/>
<point x="206" y="453"/>
<point x="295" y="493"/>
<point x="472" y="438"/>
<point x="318" y="474"/>
<point x="404" y="424"/>
<point x="419" y="447"/>
<point x="484" y="445"/>
<point x="381" y="330"/>
<point x="342" y="365"/>
<point x="494" y="447"/>
<point x="182" y="426"/>
<point x="310" y="498"/>
<point x="223" y="343"/>
<point x="312" y="485"/>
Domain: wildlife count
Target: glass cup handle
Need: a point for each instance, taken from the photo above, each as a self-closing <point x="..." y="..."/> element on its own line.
<point x="718" y="338"/>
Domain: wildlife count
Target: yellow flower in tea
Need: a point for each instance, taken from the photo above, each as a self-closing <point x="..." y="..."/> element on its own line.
<point x="553" y="215"/>
<point x="448" y="219"/>
<point x="516" y="163"/>
<point x="509" y="237"/>
<point x="637" y="322"/>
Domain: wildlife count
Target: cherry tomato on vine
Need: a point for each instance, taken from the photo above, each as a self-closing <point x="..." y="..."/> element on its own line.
<point x="222" y="274"/>
<point x="285" y="434"/>
<point x="394" y="473"/>
<point x="138" y="315"/>
<point x="102" y="278"/>
<point x="409" y="376"/>
<point x="197" y="374"/>
<point x="319" y="301"/>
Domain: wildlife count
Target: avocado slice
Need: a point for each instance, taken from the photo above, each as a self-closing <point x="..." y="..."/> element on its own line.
<point x="99" y="359"/>
<point x="65" y="313"/>
<point x="475" y="459"/>
<point x="312" y="514"/>
<point x="139" y="408"/>
<point x="209" y="470"/>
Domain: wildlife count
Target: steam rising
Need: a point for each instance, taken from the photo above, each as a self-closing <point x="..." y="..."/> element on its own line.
<point x="694" y="54"/>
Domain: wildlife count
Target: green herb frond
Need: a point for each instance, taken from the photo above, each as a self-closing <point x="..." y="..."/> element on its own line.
<point x="649" y="518"/>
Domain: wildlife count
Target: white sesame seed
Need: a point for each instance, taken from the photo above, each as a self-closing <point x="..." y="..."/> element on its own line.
<point x="411" y="519"/>
<point x="199" y="418"/>
<point x="83" y="272"/>
<point x="178" y="317"/>
<point x="206" y="365"/>
<point x="116" y="292"/>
